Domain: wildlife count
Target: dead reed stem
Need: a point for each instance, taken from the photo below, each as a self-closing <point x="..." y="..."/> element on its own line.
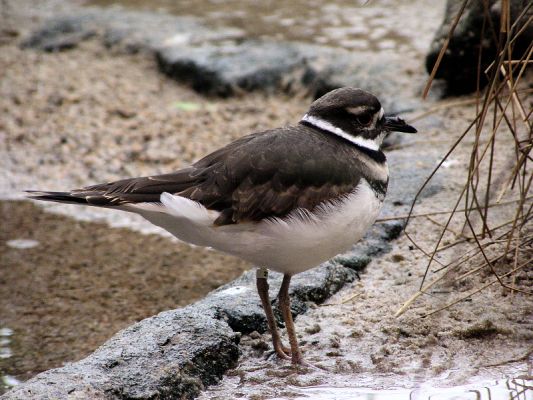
<point x="501" y="247"/>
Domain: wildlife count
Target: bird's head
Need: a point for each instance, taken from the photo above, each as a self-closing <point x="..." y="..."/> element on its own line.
<point x="356" y="116"/>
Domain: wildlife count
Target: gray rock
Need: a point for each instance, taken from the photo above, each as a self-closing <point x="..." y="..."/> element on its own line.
<point x="354" y="261"/>
<point x="172" y="355"/>
<point x="460" y="62"/>
<point x="61" y="33"/>
<point x="226" y="69"/>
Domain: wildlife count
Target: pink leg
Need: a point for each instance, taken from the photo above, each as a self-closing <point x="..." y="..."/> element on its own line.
<point x="285" y="306"/>
<point x="262" y="289"/>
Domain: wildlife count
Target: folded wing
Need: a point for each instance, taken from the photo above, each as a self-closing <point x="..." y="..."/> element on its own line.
<point x="263" y="175"/>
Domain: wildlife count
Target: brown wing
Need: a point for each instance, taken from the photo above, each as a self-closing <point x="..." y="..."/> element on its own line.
<point x="273" y="173"/>
<point x="263" y="175"/>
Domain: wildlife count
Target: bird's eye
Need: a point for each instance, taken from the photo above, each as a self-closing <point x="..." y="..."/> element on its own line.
<point x="364" y="119"/>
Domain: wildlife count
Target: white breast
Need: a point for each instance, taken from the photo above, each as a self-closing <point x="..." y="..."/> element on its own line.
<point x="303" y="243"/>
<point x="294" y="244"/>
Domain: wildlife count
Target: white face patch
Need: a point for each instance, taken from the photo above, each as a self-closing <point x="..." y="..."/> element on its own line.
<point x="370" y="144"/>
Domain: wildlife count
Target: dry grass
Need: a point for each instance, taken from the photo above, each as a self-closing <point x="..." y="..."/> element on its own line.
<point x="477" y="243"/>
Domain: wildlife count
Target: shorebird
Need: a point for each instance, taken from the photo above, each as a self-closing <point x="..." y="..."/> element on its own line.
<point x="285" y="199"/>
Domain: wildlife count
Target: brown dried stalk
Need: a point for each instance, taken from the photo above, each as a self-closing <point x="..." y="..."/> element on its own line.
<point x="486" y="185"/>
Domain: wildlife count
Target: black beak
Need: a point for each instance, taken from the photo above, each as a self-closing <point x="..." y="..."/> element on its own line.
<point x="395" y="124"/>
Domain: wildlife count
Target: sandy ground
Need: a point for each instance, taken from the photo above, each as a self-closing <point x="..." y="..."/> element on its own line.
<point x="84" y="116"/>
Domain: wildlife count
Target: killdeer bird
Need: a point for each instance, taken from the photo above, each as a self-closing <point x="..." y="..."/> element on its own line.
<point x="285" y="199"/>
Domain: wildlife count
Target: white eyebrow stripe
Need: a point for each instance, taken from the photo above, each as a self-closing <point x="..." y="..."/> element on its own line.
<point x="327" y="126"/>
<point x="357" y="110"/>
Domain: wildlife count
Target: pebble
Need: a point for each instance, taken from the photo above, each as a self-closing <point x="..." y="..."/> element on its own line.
<point x="22" y="244"/>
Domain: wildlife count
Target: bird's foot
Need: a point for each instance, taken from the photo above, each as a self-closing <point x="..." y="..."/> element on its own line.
<point x="298" y="361"/>
<point x="304" y="366"/>
<point x="283" y="352"/>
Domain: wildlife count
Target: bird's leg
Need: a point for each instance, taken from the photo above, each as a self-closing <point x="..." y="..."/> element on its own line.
<point x="262" y="289"/>
<point x="285" y="305"/>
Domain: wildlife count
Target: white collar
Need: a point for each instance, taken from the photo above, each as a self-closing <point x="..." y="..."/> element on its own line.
<point x="369" y="144"/>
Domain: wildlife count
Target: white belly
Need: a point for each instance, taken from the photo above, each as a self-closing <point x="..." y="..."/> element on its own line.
<point x="292" y="245"/>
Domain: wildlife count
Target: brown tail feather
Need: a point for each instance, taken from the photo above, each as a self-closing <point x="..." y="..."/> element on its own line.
<point x="60" y="197"/>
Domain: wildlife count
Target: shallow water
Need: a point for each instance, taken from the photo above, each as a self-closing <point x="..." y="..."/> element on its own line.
<point x="490" y="390"/>
<point x="67" y="286"/>
<point x="6" y="381"/>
